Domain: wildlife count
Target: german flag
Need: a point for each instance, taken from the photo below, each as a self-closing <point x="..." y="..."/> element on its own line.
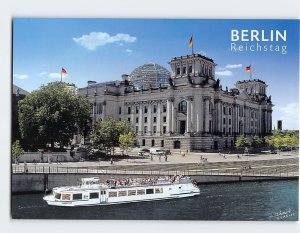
<point x="191" y="42"/>
<point x="63" y="72"/>
<point x="248" y="68"/>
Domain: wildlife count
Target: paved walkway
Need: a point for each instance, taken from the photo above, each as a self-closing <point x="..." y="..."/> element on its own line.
<point x="177" y="158"/>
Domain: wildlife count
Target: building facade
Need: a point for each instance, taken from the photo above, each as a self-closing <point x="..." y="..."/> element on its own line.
<point x="192" y="112"/>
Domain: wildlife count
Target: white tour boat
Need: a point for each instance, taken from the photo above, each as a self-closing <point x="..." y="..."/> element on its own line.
<point x="92" y="192"/>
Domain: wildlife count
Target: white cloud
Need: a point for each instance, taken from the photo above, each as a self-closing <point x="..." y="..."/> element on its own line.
<point x="129" y="51"/>
<point x="233" y="66"/>
<point x="289" y="113"/>
<point x="21" y="76"/>
<point x="96" y="39"/>
<point x="202" y="53"/>
<point x="43" y="73"/>
<point x="224" y="73"/>
<point x="54" y="75"/>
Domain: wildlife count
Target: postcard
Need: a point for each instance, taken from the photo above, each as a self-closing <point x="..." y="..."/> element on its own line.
<point x="155" y="119"/>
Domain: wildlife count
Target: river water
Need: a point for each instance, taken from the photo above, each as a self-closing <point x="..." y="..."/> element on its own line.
<point x="267" y="200"/>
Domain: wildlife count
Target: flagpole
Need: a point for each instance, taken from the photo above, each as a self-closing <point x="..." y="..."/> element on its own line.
<point x="250" y="72"/>
<point x="193" y="49"/>
<point x="192" y="45"/>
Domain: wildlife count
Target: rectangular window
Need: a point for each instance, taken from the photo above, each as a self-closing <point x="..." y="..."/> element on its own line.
<point x="165" y="119"/>
<point x="224" y="110"/>
<point x="136" y="129"/>
<point x="143" y="142"/>
<point x="112" y="194"/>
<point x="141" y="192"/>
<point x="94" y="195"/>
<point x="178" y="70"/>
<point x="229" y="111"/>
<point x="120" y="110"/>
<point x="164" y="129"/>
<point x="129" y="110"/>
<point x="145" y="119"/>
<point x="224" y="121"/>
<point x="190" y="69"/>
<point x="57" y="195"/>
<point x="224" y="130"/>
<point x="152" y="142"/>
<point x="229" y="121"/>
<point x="131" y="192"/>
<point x="136" y="120"/>
<point x="159" y="190"/>
<point x="229" y="130"/>
<point x="77" y="196"/>
<point x="154" y="129"/>
<point x="164" y="108"/>
<point x="149" y="191"/>
<point x="128" y="119"/>
<point x="162" y="143"/>
<point x="154" y="119"/>
<point x="122" y="193"/>
<point x="154" y="109"/>
<point x="66" y="196"/>
<point x="184" y="70"/>
<point x="145" y="109"/>
<point x="136" y="109"/>
<point x="145" y="129"/>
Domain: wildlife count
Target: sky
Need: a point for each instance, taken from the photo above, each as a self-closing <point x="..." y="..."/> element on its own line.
<point x="104" y="49"/>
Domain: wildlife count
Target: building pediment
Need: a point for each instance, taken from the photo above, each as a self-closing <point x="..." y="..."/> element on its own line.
<point x="244" y="95"/>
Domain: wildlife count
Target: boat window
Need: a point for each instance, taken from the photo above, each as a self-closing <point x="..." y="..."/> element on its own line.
<point x="122" y="193"/>
<point x="112" y="194"/>
<point x="159" y="190"/>
<point x="57" y="195"/>
<point x="77" y="196"/>
<point x="149" y="191"/>
<point x="66" y="196"/>
<point x="94" y="195"/>
<point x="141" y="192"/>
<point x="131" y="192"/>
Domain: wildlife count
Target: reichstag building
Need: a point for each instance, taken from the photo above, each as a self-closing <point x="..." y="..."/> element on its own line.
<point x="186" y="108"/>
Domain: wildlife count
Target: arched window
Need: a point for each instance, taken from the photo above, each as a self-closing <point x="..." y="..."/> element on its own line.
<point x="182" y="107"/>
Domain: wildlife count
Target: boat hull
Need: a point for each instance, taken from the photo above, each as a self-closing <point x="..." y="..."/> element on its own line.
<point x="88" y="203"/>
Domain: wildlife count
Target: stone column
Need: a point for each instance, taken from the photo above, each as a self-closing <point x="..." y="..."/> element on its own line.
<point x="141" y="119"/>
<point x="201" y="114"/>
<point x="132" y="107"/>
<point x="149" y="116"/>
<point x="197" y="113"/>
<point x="173" y="115"/>
<point x="169" y="115"/>
<point x="104" y="110"/>
<point x="188" y="116"/>
<point x="192" y="126"/>
<point x="158" y="119"/>
<point x="206" y="119"/>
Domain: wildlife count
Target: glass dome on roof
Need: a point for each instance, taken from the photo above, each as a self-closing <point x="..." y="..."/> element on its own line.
<point x="150" y="75"/>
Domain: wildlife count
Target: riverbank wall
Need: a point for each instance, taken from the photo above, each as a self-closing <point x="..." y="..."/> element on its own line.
<point x="29" y="183"/>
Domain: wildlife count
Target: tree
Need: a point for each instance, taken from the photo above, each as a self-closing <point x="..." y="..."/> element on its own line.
<point x="285" y="138"/>
<point x="241" y="142"/>
<point x="256" y="142"/>
<point x="17" y="150"/>
<point x="106" y="134"/>
<point x="52" y="114"/>
<point x="126" y="141"/>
